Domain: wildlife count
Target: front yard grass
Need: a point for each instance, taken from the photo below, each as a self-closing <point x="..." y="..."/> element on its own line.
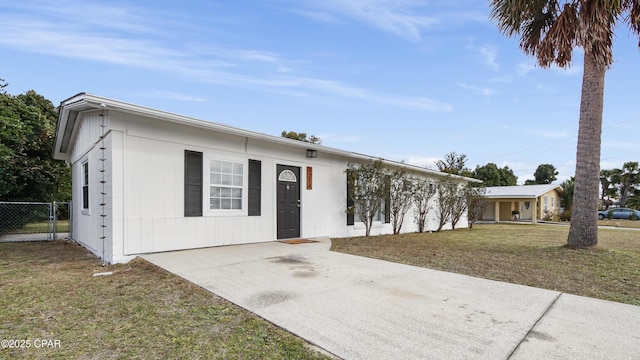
<point x="532" y="255"/>
<point x="632" y="224"/>
<point x="47" y="291"/>
<point x="41" y="227"/>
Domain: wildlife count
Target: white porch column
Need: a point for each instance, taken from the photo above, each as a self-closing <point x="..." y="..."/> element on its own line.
<point x="534" y="219"/>
<point x="496" y="211"/>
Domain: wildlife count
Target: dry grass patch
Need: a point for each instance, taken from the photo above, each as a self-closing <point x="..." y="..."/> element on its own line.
<point x="532" y="255"/>
<point x="140" y="312"/>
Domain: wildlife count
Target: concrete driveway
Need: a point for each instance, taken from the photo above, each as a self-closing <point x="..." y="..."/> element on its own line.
<point x="360" y="308"/>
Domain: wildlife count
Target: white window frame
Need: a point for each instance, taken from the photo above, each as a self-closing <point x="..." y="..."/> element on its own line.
<point x="85" y="178"/>
<point x="209" y="185"/>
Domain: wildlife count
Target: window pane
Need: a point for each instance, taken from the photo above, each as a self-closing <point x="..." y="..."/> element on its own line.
<point x="85" y="171"/>
<point x="226" y="179"/>
<point x="225" y="204"/>
<point x="237" y="180"/>
<point x="226" y="185"/>
<point x="236" y="204"/>
<point x="227" y="167"/>
<point x="214" y="204"/>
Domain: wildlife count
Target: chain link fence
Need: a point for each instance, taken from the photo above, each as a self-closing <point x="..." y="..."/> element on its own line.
<point x="35" y="221"/>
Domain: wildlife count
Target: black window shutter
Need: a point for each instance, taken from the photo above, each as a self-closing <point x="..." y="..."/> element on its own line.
<point x="255" y="187"/>
<point x="387" y="201"/>
<point x="192" y="183"/>
<point x="350" y="214"/>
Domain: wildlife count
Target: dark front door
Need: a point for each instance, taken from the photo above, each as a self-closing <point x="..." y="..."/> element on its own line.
<point x="288" y="201"/>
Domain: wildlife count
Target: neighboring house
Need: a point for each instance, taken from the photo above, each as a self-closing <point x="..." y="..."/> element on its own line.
<point x="150" y="181"/>
<point x="532" y="202"/>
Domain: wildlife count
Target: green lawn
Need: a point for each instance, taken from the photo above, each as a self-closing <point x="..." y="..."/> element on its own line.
<point x="41" y="227"/>
<point x="532" y="255"/>
<point x="47" y="291"/>
<point x="632" y="224"/>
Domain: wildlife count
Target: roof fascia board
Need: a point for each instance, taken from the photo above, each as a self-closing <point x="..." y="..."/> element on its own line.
<point x="84" y="102"/>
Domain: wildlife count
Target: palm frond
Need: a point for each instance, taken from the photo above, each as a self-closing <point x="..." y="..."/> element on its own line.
<point x="633" y="17"/>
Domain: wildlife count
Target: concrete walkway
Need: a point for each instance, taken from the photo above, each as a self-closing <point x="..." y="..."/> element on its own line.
<point x="360" y="308"/>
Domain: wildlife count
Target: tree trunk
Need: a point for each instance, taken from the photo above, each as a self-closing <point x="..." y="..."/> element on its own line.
<point x="584" y="216"/>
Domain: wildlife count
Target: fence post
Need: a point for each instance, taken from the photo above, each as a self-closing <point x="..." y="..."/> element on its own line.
<point x="50" y="222"/>
<point x="70" y="207"/>
<point x="55" y="220"/>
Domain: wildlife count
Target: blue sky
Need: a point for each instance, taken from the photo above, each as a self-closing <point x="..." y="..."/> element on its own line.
<point x="402" y="79"/>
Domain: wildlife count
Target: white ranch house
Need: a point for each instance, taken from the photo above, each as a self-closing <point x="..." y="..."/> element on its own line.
<point x="148" y="181"/>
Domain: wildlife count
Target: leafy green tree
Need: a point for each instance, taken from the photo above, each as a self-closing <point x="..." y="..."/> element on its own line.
<point x="634" y="201"/>
<point x="460" y="199"/>
<point x="477" y="203"/>
<point x="550" y="30"/>
<point x="454" y="164"/>
<point x="492" y="175"/>
<point x="608" y="179"/>
<point x="451" y="202"/>
<point x="301" y="137"/>
<point x="27" y="170"/>
<point x="424" y="191"/>
<point x="367" y="185"/>
<point x="545" y="174"/>
<point x="622" y="184"/>
<point x="566" y="196"/>
<point x="401" y="190"/>
<point x="629" y="181"/>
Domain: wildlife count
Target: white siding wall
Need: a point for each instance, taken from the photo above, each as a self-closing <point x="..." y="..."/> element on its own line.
<point x="87" y="223"/>
<point x="145" y="189"/>
<point x="153" y="203"/>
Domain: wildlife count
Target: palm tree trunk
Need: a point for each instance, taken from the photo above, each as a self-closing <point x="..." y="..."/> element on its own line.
<point x="584" y="216"/>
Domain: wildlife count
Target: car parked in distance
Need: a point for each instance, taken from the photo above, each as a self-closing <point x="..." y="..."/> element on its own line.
<point x="619" y="213"/>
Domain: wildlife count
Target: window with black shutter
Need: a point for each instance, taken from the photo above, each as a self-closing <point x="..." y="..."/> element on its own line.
<point x="387" y="201"/>
<point x="192" y="183"/>
<point x="255" y="187"/>
<point x="350" y="204"/>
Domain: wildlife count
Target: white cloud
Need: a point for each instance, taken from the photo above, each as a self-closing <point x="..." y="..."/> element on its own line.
<point x="525" y="68"/>
<point x="503" y="79"/>
<point x="538" y="132"/>
<point x="571" y="70"/>
<point x="404" y="18"/>
<point x="170" y="95"/>
<point x="397" y="17"/>
<point x="209" y="65"/>
<point x="490" y="53"/>
<point x="480" y="90"/>
<point x="422" y="161"/>
<point x="615" y="144"/>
